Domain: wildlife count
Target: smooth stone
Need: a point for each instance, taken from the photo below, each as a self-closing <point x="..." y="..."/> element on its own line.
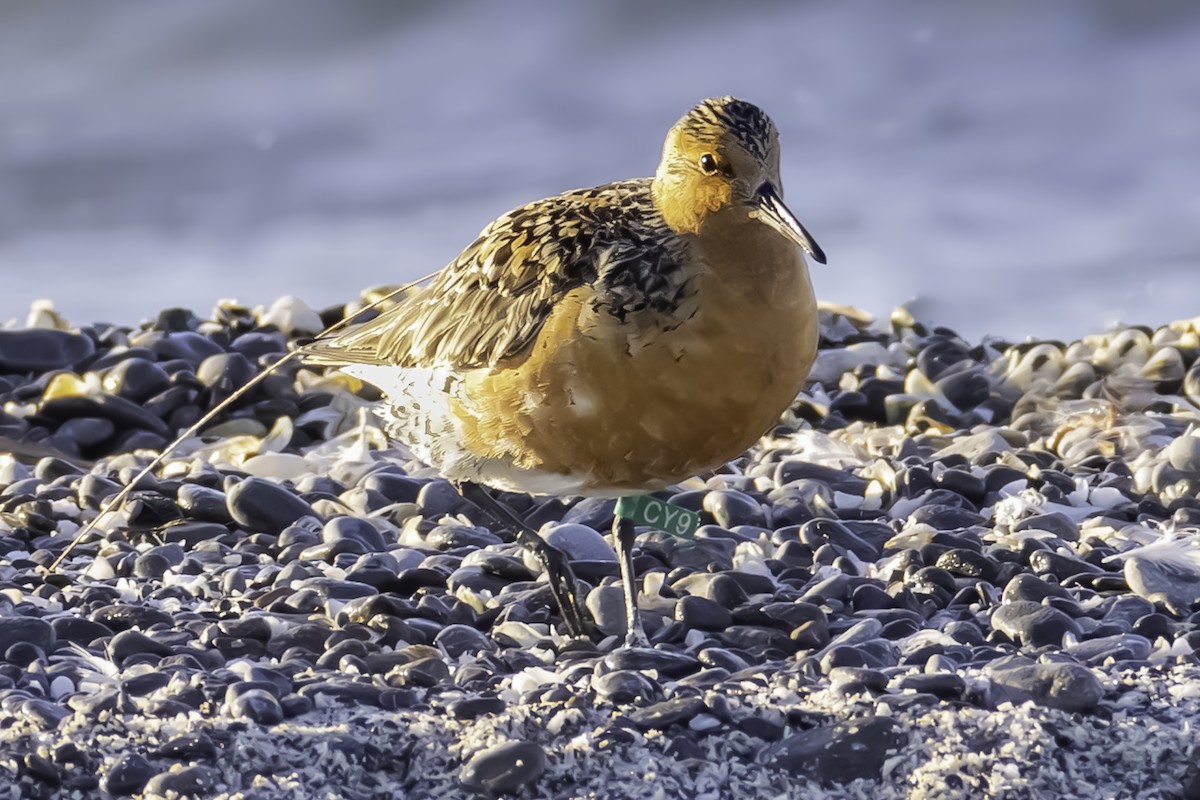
<point x="176" y="320"/>
<point x="295" y="705"/>
<point x="79" y="630"/>
<point x="941" y="684"/>
<point x="1032" y="623"/>
<point x="836" y="479"/>
<point x="225" y="371"/>
<point x="963" y="483"/>
<point x="730" y="508"/>
<point x="838" y="753"/>
<point x="475" y="707"/>
<point x="817" y="532"/>
<point x="125" y="414"/>
<point x="356" y="530"/>
<point x="151" y="566"/>
<point x="1118" y="647"/>
<point x="43" y="769"/>
<point x="594" y="512"/>
<point x="944" y="517"/>
<point x="42" y="713"/>
<point x="715" y="586"/>
<point x="1060" y="565"/>
<point x="761" y="728"/>
<point x="428" y="672"/>
<point x="578" y="542"/>
<point x="453" y="537"/>
<point x="135" y="379"/>
<point x="41" y="350"/>
<point x="1153" y="627"/>
<point x="291" y="315"/>
<point x="624" y="686"/>
<point x="94" y="490"/>
<point x="184" y="345"/>
<point x="507" y="767"/>
<point x="438" y="498"/>
<point x="256" y="344"/>
<point x="1027" y="586"/>
<point x="660" y="716"/>
<point x="257" y="705"/>
<point x="664" y="662"/>
<point x="721" y="658"/>
<point x="127" y="775"/>
<point x="194" y="781"/>
<point x="1065" y="686"/>
<point x="1183" y="453"/>
<point x="131" y="643"/>
<point x="1172" y="582"/>
<point x="967" y="563"/>
<point x="192" y="534"/>
<point x="145" y="683"/>
<point x="606" y="604"/>
<point x="408" y="581"/>
<point x="30" y="630"/>
<point x="700" y="613"/>
<point x="458" y="640"/>
<point x="86" y="431"/>
<point x="854" y="680"/>
<point x="342" y="691"/>
<point x="260" y="505"/>
<point x="965" y="389"/>
<point x="396" y="488"/>
<point x="1128" y="609"/>
<point x="1054" y="522"/>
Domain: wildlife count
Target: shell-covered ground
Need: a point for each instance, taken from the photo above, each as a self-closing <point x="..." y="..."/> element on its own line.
<point x="954" y="569"/>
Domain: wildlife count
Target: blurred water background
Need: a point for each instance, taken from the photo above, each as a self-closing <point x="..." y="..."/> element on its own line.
<point x="1017" y="168"/>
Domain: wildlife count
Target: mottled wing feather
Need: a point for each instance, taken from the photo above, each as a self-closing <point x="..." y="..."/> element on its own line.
<point x="491" y="301"/>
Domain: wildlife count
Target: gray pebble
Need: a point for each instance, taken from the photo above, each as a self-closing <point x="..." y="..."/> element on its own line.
<point x="136" y="379"/>
<point x="260" y="505"/>
<point x="731" y="508"/>
<point x="41" y="350"/>
<point x="127" y="775"/>
<point x="700" y="613"/>
<point x="194" y="781"/>
<point x="718" y="587"/>
<point x="1032" y="623"/>
<point x="1172" y="582"/>
<point x="664" y="662"/>
<point x="1184" y="454"/>
<point x="663" y="715"/>
<point x="1066" y="686"/>
<point x="31" y="630"/>
<point x="606" y="604"/>
<point x="838" y="753"/>
<point x="459" y="640"/>
<point x="352" y="529"/>
<point x="256" y="705"/>
<point x="506" y="767"/>
<point x="624" y="686"/>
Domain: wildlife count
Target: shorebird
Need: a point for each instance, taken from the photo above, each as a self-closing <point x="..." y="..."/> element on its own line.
<point x="606" y="341"/>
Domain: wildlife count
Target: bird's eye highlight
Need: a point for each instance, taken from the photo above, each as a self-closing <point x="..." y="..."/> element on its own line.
<point x="708" y="163"/>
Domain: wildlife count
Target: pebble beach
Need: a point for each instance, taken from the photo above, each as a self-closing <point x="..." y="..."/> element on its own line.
<point x="956" y="568"/>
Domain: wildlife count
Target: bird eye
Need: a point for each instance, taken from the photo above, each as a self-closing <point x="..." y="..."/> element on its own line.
<point x="708" y="163"/>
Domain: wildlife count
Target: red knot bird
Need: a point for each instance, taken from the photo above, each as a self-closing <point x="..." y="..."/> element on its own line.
<point x="606" y="342"/>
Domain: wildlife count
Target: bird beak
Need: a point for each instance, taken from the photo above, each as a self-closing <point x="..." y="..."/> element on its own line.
<point x="771" y="210"/>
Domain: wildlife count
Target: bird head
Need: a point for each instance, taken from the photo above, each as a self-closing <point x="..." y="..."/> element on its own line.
<point x="723" y="156"/>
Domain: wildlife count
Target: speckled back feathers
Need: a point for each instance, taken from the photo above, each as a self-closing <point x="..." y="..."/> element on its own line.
<point x="490" y="302"/>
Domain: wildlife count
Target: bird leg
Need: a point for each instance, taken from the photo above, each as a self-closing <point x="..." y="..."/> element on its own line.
<point x="624" y="533"/>
<point x="554" y="561"/>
